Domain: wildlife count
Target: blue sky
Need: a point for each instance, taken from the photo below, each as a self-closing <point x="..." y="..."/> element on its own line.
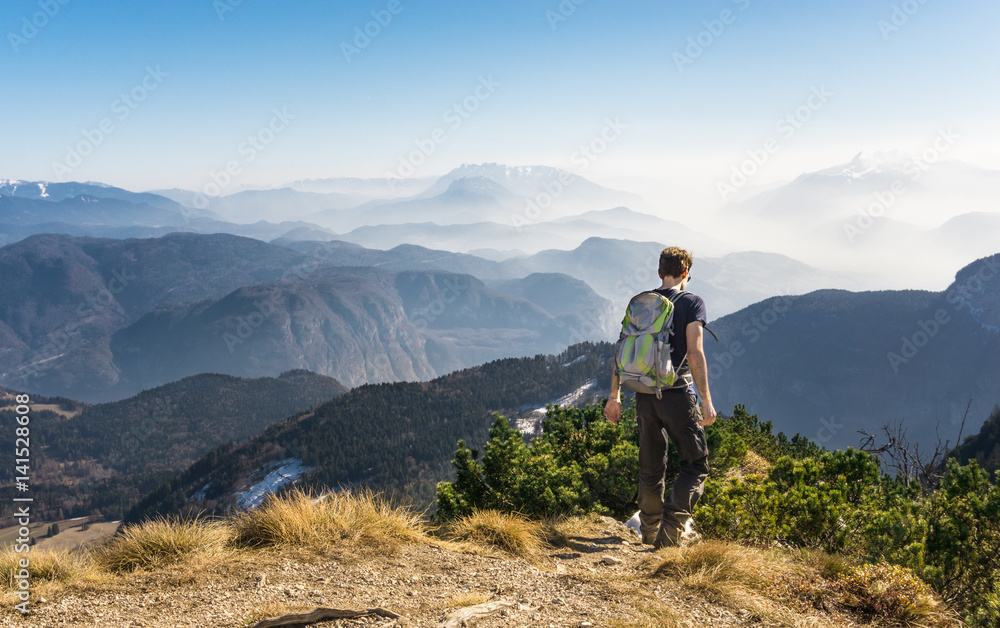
<point x="221" y="69"/>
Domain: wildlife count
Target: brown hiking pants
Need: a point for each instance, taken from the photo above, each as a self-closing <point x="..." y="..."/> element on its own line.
<point x="676" y="416"/>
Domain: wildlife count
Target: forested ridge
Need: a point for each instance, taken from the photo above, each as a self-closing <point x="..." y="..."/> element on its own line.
<point x="397" y="437"/>
<point x="104" y="457"/>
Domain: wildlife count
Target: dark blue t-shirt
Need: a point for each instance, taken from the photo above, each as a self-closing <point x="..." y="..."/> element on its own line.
<point x="687" y="309"/>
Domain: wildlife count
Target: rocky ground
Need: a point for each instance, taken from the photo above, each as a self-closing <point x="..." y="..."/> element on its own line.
<point x="598" y="576"/>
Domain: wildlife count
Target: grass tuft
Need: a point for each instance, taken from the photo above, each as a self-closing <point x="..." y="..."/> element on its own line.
<point x="160" y="542"/>
<point x="736" y="576"/>
<point x="45" y="566"/>
<point x="300" y="518"/>
<point x="508" y="532"/>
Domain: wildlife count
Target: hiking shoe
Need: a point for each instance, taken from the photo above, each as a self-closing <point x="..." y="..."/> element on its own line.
<point x="689" y="536"/>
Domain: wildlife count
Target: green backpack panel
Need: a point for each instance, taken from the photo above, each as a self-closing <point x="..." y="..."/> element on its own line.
<point x="642" y="355"/>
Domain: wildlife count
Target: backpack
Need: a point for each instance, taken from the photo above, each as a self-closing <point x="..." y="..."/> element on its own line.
<point x="642" y="355"/>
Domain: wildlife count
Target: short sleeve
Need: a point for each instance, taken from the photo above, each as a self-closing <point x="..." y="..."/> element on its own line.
<point x="698" y="311"/>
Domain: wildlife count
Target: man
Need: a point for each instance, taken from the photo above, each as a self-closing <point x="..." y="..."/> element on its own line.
<point x="675" y="414"/>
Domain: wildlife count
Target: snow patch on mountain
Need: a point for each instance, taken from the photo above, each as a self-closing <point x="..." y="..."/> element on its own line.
<point x="286" y="471"/>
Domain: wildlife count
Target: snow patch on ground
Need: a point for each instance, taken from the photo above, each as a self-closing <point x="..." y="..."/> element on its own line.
<point x="200" y="495"/>
<point x="572" y="362"/>
<point x="531" y="423"/>
<point x="286" y="471"/>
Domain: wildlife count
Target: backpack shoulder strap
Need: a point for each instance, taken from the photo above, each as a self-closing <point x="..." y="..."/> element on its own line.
<point x="673" y="298"/>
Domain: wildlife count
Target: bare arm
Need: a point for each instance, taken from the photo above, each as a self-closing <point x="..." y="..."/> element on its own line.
<point x="699" y="369"/>
<point x="613" y="409"/>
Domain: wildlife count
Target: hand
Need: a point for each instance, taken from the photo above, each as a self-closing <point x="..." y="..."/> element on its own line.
<point x="613" y="410"/>
<point x="708" y="413"/>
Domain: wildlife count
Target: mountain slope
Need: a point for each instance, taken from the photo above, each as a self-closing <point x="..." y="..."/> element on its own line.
<point x="829" y="363"/>
<point x="356" y="324"/>
<point x="346" y="323"/>
<point x="983" y="447"/>
<point x="64" y="297"/>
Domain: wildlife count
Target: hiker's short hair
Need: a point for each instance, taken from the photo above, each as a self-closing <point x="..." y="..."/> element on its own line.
<point x="674" y="261"/>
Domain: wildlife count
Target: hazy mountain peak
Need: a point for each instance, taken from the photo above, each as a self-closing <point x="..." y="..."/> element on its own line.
<point x="867" y="163"/>
<point x="477" y="185"/>
<point x="496" y="171"/>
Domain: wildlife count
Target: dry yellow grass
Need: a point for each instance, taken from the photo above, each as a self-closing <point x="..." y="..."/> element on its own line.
<point x="161" y="542"/>
<point x="508" y="532"/>
<point x="300" y="518"/>
<point x="50" y="570"/>
<point x="45" y="566"/>
<point x="734" y="575"/>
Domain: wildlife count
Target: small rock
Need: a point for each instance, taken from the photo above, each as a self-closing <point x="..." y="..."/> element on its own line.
<point x="611" y="560"/>
<point x="585" y="624"/>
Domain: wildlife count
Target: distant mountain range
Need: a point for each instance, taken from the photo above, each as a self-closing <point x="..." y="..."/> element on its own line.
<point x="879" y="214"/>
<point x="95" y="319"/>
<point x="615" y="269"/>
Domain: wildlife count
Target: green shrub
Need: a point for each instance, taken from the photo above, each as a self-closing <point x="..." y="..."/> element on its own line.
<point x="839" y="502"/>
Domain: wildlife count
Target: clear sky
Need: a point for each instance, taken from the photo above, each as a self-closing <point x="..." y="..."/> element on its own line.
<point x="696" y="85"/>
